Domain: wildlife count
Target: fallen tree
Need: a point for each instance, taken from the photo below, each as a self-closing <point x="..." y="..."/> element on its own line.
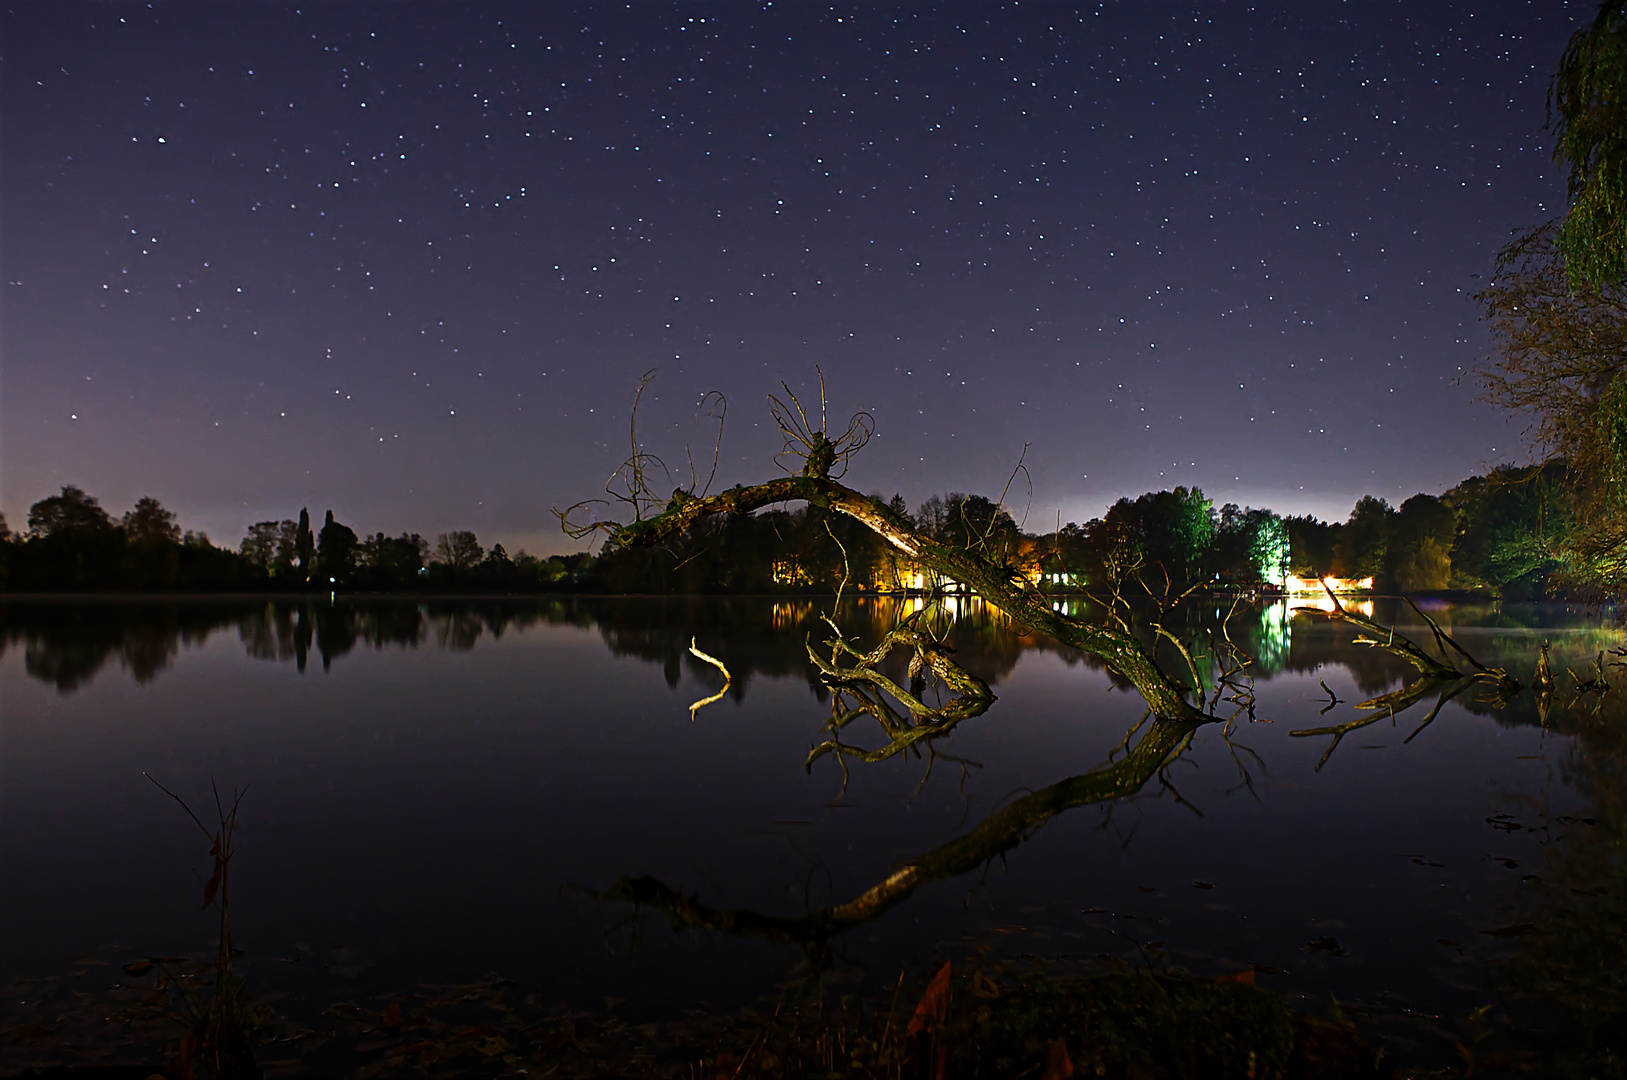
<point x="971" y="565"/>
<point x="859" y="687"/>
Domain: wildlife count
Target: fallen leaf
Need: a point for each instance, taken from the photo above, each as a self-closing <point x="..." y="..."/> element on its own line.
<point x="1058" y="1066"/>
<point x="934" y="1007"/>
<point x="214" y="882"/>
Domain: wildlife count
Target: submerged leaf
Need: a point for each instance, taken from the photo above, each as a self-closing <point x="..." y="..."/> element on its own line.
<point x="1058" y="1066"/>
<point x="213" y="884"/>
<point x="934" y="1007"/>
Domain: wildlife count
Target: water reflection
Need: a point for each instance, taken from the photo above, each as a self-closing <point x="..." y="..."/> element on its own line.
<point x="575" y="754"/>
<point x="992" y="838"/>
<point x="67" y="643"/>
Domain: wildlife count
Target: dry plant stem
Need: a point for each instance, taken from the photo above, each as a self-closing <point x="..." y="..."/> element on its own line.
<point x="1543" y="680"/>
<point x="221" y="1031"/>
<point x="996" y="835"/>
<point x="997" y="583"/>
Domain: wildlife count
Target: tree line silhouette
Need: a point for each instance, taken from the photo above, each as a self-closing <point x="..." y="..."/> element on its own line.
<point x="1501" y="533"/>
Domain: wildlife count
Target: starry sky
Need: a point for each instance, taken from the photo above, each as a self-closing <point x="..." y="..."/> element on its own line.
<point x="409" y="261"/>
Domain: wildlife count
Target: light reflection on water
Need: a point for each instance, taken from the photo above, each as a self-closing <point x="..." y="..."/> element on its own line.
<point x="427" y="776"/>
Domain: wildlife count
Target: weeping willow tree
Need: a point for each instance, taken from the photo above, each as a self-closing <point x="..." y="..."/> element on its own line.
<point x="1587" y="108"/>
<point x="1558" y="307"/>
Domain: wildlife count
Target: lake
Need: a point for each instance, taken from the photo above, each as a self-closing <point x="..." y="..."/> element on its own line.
<point x="439" y="790"/>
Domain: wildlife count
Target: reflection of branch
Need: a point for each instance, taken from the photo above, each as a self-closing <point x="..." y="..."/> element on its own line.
<point x="727" y="679"/>
<point x="1436" y="711"/>
<point x="1391" y="703"/>
<point x="998" y="833"/>
<point x="1338" y="731"/>
<point x="861" y="683"/>
<point x="1397" y="700"/>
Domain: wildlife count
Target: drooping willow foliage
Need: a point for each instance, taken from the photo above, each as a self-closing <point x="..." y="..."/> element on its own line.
<point x="1587" y="107"/>
<point x="1561" y="351"/>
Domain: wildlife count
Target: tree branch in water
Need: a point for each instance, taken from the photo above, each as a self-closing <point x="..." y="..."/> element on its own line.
<point x="998" y="833"/>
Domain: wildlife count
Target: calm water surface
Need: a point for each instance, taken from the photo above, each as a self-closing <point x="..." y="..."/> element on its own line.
<point x="438" y="789"/>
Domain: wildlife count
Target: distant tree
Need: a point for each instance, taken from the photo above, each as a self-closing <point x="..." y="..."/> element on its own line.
<point x="1171" y="530"/>
<point x="1310" y="546"/>
<point x="1421" y="539"/>
<point x="979" y="523"/>
<point x="5" y="530"/>
<point x="270" y="546"/>
<point x="70" y="513"/>
<point x="335" y="549"/>
<point x="149" y="523"/>
<point x="392" y="561"/>
<point x="305" y="545"/>
<point x="1364" y="542"/>
<point x="458" y="550"/>
<point x="931" y="516"/>
<point x="898" y="506"/>
<point x="152" y="543"/>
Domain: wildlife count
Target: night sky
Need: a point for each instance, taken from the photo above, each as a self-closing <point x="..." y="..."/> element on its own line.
<point x="410" y="261"/>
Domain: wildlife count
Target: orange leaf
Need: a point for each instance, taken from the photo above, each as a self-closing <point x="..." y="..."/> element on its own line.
<point x="214" y="883"/>
<point x="934" y="1006"/>
<point x="1245" y="977"/>
<point x="392" y="1015"/>
<point x="1058" y="1065"/>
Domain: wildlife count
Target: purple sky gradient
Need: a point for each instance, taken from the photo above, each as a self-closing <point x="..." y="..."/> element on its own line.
<point x="408" y="262"/>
